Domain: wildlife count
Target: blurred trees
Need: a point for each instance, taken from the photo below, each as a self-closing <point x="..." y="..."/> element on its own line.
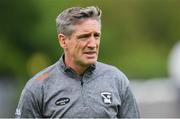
<point x="137" y="35"/>
<point x="16" y="25"/>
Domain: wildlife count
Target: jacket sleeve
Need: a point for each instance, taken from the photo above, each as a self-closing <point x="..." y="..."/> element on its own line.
<point x="28" y="106"/>
<point x="128" y="108"/>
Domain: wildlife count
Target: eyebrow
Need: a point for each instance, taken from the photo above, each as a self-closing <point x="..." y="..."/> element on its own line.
<point x="84" y="35"/>
<point x="97" y="34"/>
<point x="88" y="35"/>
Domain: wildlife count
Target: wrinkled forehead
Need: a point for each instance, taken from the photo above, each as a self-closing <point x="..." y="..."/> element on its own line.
<point x="82" y="20"/>
<point x="89" y="25"/>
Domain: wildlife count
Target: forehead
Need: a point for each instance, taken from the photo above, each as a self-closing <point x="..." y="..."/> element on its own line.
<point x="86" y="26"/>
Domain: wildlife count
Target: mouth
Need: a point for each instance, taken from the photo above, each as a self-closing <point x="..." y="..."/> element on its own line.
<point x="90" y="54"/>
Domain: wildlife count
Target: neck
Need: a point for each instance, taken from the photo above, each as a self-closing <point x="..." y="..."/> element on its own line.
<point x="78" y="68"/>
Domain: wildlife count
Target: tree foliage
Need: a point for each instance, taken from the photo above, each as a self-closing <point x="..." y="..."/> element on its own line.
<point x="137" y="35"/>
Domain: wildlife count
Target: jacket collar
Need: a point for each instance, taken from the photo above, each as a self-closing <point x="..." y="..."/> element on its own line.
<point x="70" y="72"/>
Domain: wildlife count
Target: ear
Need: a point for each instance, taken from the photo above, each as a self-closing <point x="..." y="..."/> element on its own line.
<point x="62" y="40"/>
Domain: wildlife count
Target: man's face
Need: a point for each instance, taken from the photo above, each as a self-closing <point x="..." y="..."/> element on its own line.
<point x="83" y="45"/>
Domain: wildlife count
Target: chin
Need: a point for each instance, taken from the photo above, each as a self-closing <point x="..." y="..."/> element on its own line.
<point x="89" y="62"/>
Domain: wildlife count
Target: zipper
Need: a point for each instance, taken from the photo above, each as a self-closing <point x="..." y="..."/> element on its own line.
<point x="82" y="82"/>
<point x="83" y="92"/>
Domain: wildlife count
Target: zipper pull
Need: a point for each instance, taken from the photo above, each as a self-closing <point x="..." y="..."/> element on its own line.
<point x="82" y="82"/>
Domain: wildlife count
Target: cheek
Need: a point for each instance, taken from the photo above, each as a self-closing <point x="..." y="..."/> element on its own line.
<point x="80" y="46"/>
<point x="71" y="47"/>
<point x="76" y="49"/>
<point x="97" y="44"/>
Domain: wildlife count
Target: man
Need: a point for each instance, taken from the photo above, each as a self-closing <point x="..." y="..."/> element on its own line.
<point x="77" y="85"/>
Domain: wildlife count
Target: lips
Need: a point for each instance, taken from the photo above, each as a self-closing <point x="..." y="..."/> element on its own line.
<point x="90" y="54"/>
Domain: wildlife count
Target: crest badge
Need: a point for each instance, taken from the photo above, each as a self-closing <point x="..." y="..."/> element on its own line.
<point x="107" y="97"/>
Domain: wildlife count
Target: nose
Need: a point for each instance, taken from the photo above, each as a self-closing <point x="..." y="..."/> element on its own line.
<point x="91" y="42"/>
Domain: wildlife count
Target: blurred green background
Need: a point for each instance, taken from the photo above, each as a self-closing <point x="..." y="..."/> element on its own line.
<point x="137" y="35"/>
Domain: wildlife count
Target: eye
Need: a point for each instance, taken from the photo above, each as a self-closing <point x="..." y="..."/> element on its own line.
<point x="97" y="35"/>
<point x="84" y="36"/>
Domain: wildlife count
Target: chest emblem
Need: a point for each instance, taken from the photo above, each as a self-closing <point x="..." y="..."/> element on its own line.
<point x="62" y="101"/>
<point x="107" y="97"/>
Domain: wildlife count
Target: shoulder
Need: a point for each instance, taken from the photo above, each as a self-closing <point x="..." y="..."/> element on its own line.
<point x="113" y="72"/>
<point x="39" y="79"/>
<point x="110" y="69"/>
<point x="106" y="67"/>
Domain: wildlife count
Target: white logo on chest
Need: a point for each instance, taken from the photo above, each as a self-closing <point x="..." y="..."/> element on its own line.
<point x="107" y="97"/>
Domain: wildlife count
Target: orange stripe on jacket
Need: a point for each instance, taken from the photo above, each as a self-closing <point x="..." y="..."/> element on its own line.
<point x="43" y="76"/>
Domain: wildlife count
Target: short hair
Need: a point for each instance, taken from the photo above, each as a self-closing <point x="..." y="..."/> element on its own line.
<point x="75" y="15"/>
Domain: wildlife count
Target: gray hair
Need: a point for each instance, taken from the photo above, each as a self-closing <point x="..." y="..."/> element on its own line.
<point x="75" y="15"/>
